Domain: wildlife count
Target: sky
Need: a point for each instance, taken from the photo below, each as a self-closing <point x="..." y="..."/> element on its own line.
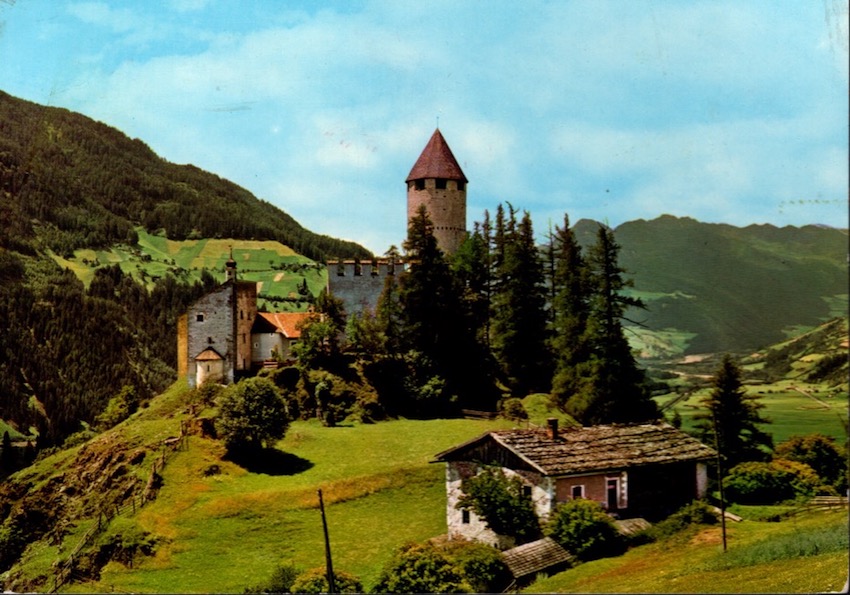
<point x="724" y="111"/>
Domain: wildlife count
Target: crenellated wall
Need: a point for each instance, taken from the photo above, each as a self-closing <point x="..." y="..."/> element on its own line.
<point x="359" y="284"/>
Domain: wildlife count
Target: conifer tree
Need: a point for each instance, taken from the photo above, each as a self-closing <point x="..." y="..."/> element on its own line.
<point x="570" y="310"/>
<point x="519" y="317"/>
<point x="614" y="388"/>
<point x="734" y="416"/>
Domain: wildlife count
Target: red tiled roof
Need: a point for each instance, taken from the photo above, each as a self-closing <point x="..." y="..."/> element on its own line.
<point x="590" y="449"/>
<point x="436" y="161"/>
<point x="286" y="323"/>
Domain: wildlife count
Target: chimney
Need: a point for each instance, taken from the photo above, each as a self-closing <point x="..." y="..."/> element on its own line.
<point x="553" y="427"/>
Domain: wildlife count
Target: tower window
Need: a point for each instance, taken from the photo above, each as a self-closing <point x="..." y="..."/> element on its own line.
<point x="460" y="185"/>
<point x="440" y="184"/>
<point x="420" y="184"/>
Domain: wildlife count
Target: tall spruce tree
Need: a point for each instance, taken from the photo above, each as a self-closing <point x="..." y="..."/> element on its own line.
<point x="614" y="388"/>
<point x="518" y="334"/>
<point x="570" y="311"/>
<point x="436" y="330"/>
<point x="732" y="416"/>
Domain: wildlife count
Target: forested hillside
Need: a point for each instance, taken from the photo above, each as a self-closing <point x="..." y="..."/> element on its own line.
<point x="716" y="287"/>
<point x="69" y="182"/>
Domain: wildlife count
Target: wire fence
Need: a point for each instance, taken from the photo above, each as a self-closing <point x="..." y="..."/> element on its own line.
<point x="65" y="570"/>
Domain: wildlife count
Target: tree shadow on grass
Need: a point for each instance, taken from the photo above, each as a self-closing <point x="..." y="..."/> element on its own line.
<point x="269" y="461"/>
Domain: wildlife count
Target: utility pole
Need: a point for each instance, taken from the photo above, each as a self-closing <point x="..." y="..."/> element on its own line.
<point x="719" y="480"/>
<point x="328" y="563"/>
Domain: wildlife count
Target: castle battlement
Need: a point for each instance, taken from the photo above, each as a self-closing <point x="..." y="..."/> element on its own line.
<point x="379" y="267"/>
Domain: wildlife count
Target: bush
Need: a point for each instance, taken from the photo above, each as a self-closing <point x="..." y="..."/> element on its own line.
<point x="281" y="581"/>
<point x="251" y="413"/>
<point x="421" y="568"/>
<point x="770" y="483"/>
<point x="502" y="504"/>
<point x="513" y="409"/>
<point x="480" y="565"/>
<point x="695" y="513"/>
<point x="315" y="581"/>
<point x="819" y="452"/>
<point x="584" y="529"/>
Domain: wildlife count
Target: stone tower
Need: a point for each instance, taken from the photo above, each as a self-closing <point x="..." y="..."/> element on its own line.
<point x="437" y="181"/>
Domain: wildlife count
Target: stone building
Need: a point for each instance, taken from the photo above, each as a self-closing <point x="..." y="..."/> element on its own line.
<point x="634" y="471"/>
<point x="436" y="181"/>
<point x="214" y="336"/>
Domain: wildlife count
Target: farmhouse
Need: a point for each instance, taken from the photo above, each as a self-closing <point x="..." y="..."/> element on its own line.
<point x="646" y="470"/>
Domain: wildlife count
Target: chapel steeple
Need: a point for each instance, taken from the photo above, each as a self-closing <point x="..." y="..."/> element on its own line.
<point x="437" y="181"/>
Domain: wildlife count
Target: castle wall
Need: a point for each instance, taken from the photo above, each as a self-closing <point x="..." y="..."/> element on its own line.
<point x="446" y="207"/>
<point x="210" y="323"/>
<point x="359" y="285"/>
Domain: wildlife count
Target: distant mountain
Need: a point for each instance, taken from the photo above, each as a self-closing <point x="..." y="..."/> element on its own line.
<point x="716" y="287"/>
<point x="68" y="182"/>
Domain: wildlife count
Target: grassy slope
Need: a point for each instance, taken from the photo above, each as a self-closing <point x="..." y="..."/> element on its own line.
<point x="156" y="256"/>
<point x="694" y="562"/>
<point x="228" y="531"/>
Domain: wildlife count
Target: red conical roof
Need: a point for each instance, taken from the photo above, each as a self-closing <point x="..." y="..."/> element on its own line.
<point x="436" y="161"/>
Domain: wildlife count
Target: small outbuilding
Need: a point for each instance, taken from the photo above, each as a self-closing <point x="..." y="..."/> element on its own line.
<point x="642" y="470"/>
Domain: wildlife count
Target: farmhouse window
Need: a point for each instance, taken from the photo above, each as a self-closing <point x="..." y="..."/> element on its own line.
<point x="199" y="318"/>
<point x="526" y="491"/>
<point x="464" y="517"/>
<point x="577" y="492"/>
<point x="256" y="345"/>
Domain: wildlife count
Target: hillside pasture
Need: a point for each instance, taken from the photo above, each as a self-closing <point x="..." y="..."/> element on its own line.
<point x="792" y="407"/>
<point x="378" y="484"/>
<point x="275" y="267"/>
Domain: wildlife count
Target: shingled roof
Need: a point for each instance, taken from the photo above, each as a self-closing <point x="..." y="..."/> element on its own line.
<point x="588" y="449"/>
<point x="436" y="161"/>
<point x="537" y="556"/>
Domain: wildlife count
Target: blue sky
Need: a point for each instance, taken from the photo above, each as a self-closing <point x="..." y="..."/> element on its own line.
<point x="725" y="111"/>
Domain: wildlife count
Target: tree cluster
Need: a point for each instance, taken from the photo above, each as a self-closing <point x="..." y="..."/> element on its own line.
<point x="504" y="316"/>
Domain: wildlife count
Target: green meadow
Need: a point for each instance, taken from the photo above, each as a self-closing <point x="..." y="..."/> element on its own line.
<point x="276" y="268"/>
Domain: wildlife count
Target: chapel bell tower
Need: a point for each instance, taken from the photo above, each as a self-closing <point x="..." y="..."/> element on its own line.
<point x="437" y="181"/>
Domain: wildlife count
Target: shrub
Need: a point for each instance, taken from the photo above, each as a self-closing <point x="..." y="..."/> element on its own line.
<point x="281" y="581"/>
<point x="421" y="568"/>
<point x="769" y="483"/>
<point x="501" y="503"/>
<point x="315" y="581"/>
<point x="821" y="453"/>
<point x="584" y="529"/>
<point x="695" y="513"/>
<point x="513" y="409"/>
<point x="251" y="413"/>
<point x="480" y="565"/>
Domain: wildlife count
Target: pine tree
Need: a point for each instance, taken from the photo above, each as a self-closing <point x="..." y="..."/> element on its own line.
<point x="734" y="416"/>
<point x="519" y="318"/>
<point x="570" y="310"/>
<point x="614" y="388"/>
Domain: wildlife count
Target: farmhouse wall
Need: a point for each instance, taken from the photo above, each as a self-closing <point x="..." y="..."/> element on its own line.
<point x="210" y="323"/>
<point x="542" y="495"/>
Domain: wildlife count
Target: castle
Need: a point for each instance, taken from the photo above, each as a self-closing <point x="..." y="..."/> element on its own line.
<point x="435" y="181"/>
<point x="223" y="336"/>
